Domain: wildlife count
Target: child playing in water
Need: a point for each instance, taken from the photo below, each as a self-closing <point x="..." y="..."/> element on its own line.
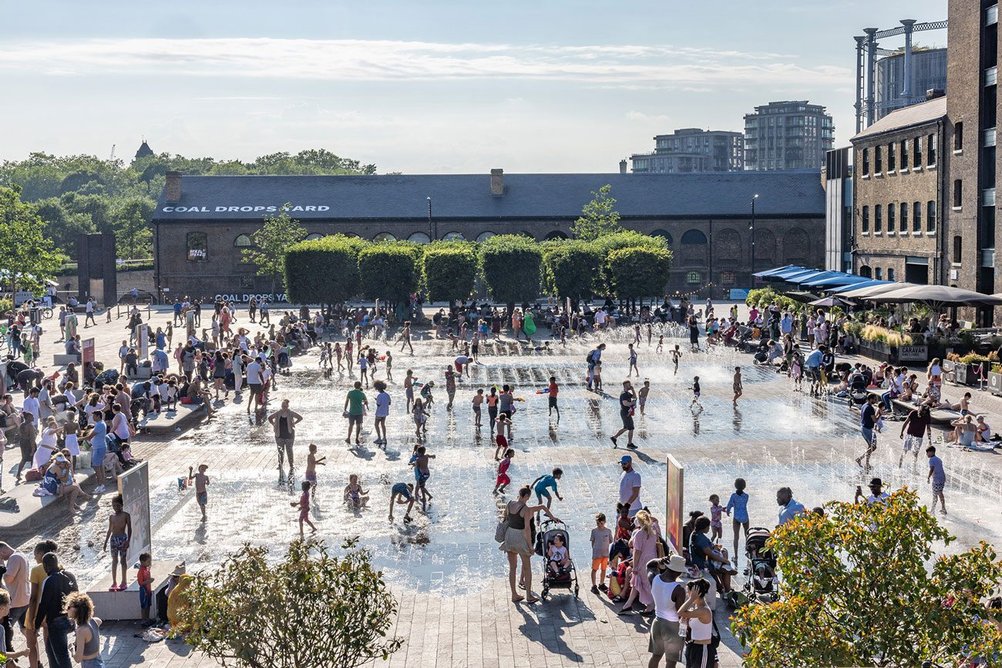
<point x="558" y="558"/>
<point x="426" y="393"/>
<point x="596" y="376"/>
<point x="695" y="394"/>
<point x="675" y="354"/>
<point x="311" y="468"/>
<point x="642" y="395"/>
<point x="304" y="509"/>
<point x="500" y="446"/>
<point x="503" y="480"/>
<point x="420" y="418"/>
<point x="553" y="390"/>
<point x="478" y="400"/>
<point x="201" y="484"/>
<point x="716" y="526"/>
<point x="354" y="495"/>
<point x="661" y="344"/>
<point x="504" y="426"/>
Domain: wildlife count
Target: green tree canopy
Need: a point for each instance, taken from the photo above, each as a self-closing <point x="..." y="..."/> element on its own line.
<point x="572" y="268"/>
<point x="638" y="272"/>
<point x="859" y="590"/>
<point x="510" y="265"/>
<point x="450" y="270"/>
<point x="598" y="217"/>
<point x="131" y="222"/>
<point x="271" y="241"/>
<point x="323" y="271"/>
<point x="26" y="255"/>
<point x="62" y="226"/>
<point x="390" y="271"/>
<point x="310" y="609"/>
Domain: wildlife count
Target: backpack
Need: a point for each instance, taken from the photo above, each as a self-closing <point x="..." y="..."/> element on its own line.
<point x="589" y="359"/>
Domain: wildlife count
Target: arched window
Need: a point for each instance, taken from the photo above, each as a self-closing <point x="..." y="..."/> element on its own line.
<point x="878" y="273"/>
<point x="664" y="235"/>
<point x="890" y="273"/>
<point x="484" y="236"/>
<point x="556" y="234"/>
<point x="796" y="247"/>
<point x="727" y="245"/>
<point x="865" y="272"/>
<point x="314" y="236"/>
<point x="243" y="241"/>
<point x="420" y="238"/>
<point x="453" y="236"/>
<point x="693" y="237"/>
<point x="384" y="236"/>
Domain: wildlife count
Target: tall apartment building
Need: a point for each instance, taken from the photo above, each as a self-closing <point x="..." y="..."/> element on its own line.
<point x="691" y="150"/>
<point x="787" y="135"/>
<point x="972" y="114"/>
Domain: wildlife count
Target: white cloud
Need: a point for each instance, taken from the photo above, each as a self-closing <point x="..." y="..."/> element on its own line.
<point x="634" y="66"/>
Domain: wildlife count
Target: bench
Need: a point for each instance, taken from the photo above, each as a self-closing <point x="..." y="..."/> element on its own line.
<point x="63" y="360"/>
<point x="937" y="415"/>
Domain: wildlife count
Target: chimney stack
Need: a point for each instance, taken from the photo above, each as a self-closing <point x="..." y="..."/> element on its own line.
<point x="497" y="182"/>
<point x="172" y="190"/>
<point x="622" y="166"/>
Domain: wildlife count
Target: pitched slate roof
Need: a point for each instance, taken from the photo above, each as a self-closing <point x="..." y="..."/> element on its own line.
<point x="916" y="114"/>
<point x="468" y="196"/>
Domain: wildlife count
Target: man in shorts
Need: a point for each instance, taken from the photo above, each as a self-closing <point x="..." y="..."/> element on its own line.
<point x="402" y="493"/>
<point x="254" y="383"/>
<point x="119" y="535"/>
<point x="627" y="400"/>
<point x="355" y="405"/>
<point x="669" y="596"/>
<point x="917" y="426"/>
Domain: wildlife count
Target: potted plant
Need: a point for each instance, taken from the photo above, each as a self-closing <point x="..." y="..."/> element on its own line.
<point x="995" y="379"/>
<point x="974" y="367"/>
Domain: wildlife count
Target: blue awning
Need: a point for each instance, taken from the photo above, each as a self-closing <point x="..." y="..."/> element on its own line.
<point x="864" y="284"/>
<point x="840" y="278"/>
<point x="778" y="270"/>
<point x="818" y="276"/>
<point x="801" y="276"/>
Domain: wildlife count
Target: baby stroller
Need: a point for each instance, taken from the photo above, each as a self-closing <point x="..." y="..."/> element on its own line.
<point x="566" y="577"/>
<point x="761" y="583"/>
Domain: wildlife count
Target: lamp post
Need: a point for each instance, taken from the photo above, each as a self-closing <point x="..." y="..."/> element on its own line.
<point x="751" y="227"/>
<point x="431" y="229"/>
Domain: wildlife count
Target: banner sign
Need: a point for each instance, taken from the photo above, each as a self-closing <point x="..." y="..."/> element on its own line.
<point x="675" y="486"/>
<point x="134" y="486"/>
<point x="913" y="353"/>
<point x="87" y="350"/>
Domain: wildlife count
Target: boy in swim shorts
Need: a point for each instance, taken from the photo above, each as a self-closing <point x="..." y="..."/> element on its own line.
<point x="119" y="534"/>
<point x="311" y="468"/>
<point x="402" y="493"/>
<point x="201" y="484"/>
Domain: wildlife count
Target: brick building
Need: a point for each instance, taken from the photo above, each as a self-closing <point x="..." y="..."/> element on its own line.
<point x="899" y="187"/>
<point x="972" y="111"/>
<point x="201" y="223"/>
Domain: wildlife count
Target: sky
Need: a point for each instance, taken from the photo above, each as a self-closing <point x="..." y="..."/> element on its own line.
<point x="421" y="86"/>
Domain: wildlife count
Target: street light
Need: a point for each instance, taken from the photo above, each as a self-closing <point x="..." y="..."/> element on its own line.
<point x="751" y="226"/>
<point x="431" y="230"/>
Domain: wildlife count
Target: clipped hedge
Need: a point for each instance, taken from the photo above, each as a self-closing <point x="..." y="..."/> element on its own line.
<point x="323" y="271"/>
<point x="638" y="272"/>
<point x="390" y="271"/>
<point x="450" y="270"/>
<point x="511" y="266"/>
<point x="572" y="268"/>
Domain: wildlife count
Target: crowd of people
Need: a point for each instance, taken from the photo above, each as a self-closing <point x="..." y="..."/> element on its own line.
<point x="99" y="409"/>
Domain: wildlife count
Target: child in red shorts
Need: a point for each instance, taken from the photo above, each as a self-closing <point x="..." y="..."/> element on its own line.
<point x="503" y="479"/>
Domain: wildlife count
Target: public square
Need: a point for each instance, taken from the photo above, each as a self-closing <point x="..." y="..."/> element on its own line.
<point x="445" y="568"/>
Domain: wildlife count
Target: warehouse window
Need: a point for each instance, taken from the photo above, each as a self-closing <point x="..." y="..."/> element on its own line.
<point x="243" y="241"/>
<point x="198" y="250"/>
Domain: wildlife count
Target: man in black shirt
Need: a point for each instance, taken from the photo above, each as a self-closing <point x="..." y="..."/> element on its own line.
<point x="627" y="400"/>
<point x="917" y="425"/>
<point x="56" y="586"/>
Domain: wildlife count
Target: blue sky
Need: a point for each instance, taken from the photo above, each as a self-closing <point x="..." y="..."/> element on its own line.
<point x="421" y="87"/>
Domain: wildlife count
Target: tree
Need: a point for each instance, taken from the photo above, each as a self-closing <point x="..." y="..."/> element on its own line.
<point x="859" y="590"/>
<point x="62" y="226"/>
<point x="598" y="217"/>
<point x="390" y="271"/>
<point x="510" y="265"/>
<point x="27" y="257"/>
<point x="310" y="609"/>
<point x="271" y="241"/>
<point x="619" y="240"/>
<point x="131" y="222"/>
<point x="450" y="270"/>
<point x="323" y="271"/>
<point x="571" y="269"/>
<point x="638" y="272"/>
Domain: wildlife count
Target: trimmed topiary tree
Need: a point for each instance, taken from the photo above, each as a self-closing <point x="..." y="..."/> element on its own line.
<point x="390" y="271"/>
<point x="323" y="271"/>
<point x="571" y="269"/>
<point x="511" y="266"/>
<point x="635" y="273"/>
<point x="450" y="270"/>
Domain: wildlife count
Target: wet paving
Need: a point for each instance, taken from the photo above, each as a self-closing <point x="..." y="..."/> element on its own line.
<point x="775" y="437"/>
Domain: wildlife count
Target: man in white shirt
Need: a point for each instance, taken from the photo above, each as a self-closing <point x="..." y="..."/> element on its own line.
<point x="16" y="582"/>
<point x="89" y="308"/>
<point x="31" y="406"/>
<point x="254" y="382"/>
<point x="629" y="485"/>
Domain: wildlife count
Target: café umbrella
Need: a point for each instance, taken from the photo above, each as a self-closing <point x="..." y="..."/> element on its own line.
<point x="935" y="296"/>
